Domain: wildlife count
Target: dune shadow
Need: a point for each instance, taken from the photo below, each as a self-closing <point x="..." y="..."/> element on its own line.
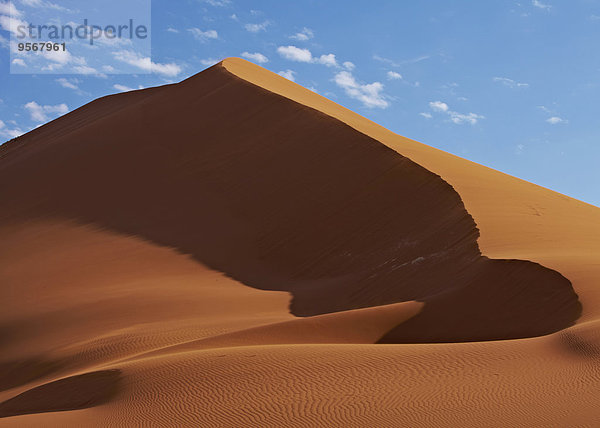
<point x="282" y="197"/>
<point x="20" y="372"/>
<point x="71" y="393"/>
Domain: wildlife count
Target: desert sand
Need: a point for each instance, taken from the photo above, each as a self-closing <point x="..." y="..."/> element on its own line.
<point x="236" y="250"/>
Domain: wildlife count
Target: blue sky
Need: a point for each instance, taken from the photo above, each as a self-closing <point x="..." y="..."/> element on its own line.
<point x="514" y="85"/>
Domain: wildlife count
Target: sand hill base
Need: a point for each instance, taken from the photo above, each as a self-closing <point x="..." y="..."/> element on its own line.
<point x="236" y="250"/>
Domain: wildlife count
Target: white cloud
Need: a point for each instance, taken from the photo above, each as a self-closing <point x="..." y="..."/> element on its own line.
<point x="146" y="64"/>
<point x="9" y="9"/>
<point x="305" y="34"/>
<point x="256" y="57"/>
<point x="401" y="63"/>
<point x="438" y="106"/>
<point x="510" y="83"/>
<point x="541" y="5"/>
<point x="455" y="117"/>
<point x="172" y="30"/>
<point x="218" y="3"/>
<point x="554" y="120"/>
<point x="203" y="36"/>
<point x="392" y="75"/>
<point x="209" y="61"/>
<point x="369" y="94"/>
<point x="124" y="88"/>
<point x="255" y="28"/>
<point x="19" y="61"/>
<point x="11" y="23"/>
<point x="9" y="133"/>
<point x="349" y="65"/>
<point x="460" y="118"/>
<point x="426" y="115"/>
<point x="61" y="57"/>
<point x="44" y="4"/>
<point x="85" y="69"/>
<point x="295" y="54"/>
<point x="288" y="74"/>
<point x="68" y="83"/>
<point x="41" y="113"/>
<point x="328" y="60"/>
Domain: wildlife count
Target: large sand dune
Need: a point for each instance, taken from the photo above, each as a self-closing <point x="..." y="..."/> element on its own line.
<point x="236" y="250"/>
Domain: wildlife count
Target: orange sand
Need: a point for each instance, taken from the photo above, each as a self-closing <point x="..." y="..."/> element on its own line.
<point x="236" y="250"/>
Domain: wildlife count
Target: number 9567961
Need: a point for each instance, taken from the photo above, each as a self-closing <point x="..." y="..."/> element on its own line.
<point x="42" y="46"/>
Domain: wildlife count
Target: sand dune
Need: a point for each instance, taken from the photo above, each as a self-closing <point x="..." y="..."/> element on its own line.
<point x="237" y="250"/>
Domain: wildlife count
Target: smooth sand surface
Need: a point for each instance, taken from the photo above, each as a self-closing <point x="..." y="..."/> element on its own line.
<point x="236" y="250"/>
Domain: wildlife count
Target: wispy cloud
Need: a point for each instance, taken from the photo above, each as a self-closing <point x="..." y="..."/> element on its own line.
<point x="41" y="113"/>
<point x="203" y="36"/>
<point x="370" y="94"/>
<point x="10" y="23"/>
<point x="218" y="3"/>
<point x="69" y="83"/>
<point x="401" y="63"/>
<point x="349" y="65"/>
<point x="454" y="116"/>
<point x="305" y="34"/>
<point x="4" y="43"/>
<point x="541" y="5"/>
<point x="6" y="132"/>
<point x="123" y="88"/>
<point x="288" y="74"/>
<point x="9" y="9"/>
<point x="426" y="115"/>
<point x="172" y="30"/>
<point x="555" y="120"/>
<point x="146" y="64"/>
<point x="255" y="28"/>
<point x="392" y="75"/>
<point x="459" y="118"/>
<point x="510" y="82"/>
<point x="256" y="57"/>
<point x="209" y="61"/>
<point x="39" y="4"/>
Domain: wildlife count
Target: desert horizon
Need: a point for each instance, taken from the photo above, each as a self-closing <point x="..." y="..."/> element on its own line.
<point x="238" y="250"/>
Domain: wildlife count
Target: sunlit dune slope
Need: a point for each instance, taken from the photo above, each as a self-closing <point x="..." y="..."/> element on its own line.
<point x="516" y="219"/>
<point x="236" y="250"/>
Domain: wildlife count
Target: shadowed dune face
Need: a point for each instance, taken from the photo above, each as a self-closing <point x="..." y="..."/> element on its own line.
<point x="72" y="393"/>
<point x="282" y="197"/>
